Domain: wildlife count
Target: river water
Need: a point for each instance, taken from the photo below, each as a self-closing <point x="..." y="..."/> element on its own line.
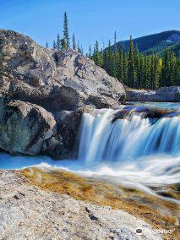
<point x="133" y="151"/>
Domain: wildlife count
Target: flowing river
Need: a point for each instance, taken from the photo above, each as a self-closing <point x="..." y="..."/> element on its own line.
<point x="133" y="151"/>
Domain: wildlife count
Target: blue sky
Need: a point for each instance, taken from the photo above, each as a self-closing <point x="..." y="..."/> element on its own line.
<point x="89" y="19"/>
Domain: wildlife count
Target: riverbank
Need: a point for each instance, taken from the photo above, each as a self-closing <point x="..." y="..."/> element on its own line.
<point x="62" y="205"/>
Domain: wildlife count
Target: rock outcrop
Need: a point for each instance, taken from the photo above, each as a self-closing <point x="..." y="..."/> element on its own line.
<point x="163" y="94"/>
<point x="43" y="94"/>
<point x="54" y="80"/>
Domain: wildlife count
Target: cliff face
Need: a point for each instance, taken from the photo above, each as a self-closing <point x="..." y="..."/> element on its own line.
<point x="43" y="94"/>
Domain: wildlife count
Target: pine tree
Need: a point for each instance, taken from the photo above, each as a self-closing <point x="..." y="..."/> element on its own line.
<point x="115" y="58"/>
<point x="79" y="49"/>
<point x="82" y="51"/>
<point x="138" y="70"/>
<point x="74" y="42"/>
<point x="47" y="46"/>
<point x="54" y="45"/>
<point x="90" y="51"/>
<point x="131" y="64"/>
<point x="66" y="31"/>
<point x="125" y="66"/>
<point x="63" y="44"/>
<point x="96" y="54"/>
<point x="141" y="77"/>
<point x="109" y="60"/>
<point x="158" y="71"/>
<point x="58" y="43"/>
<point x="136" y="67"/>
<point x="120" y="64"/>
<point x="177" y="72"/>
<point x="147" y="72"/>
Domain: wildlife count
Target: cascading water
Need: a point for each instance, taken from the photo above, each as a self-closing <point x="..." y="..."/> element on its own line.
<point x="128" y="150"/>
<point x="126" y="139"/>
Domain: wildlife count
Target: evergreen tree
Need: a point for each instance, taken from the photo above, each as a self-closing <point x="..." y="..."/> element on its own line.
<point x="141" y="76"/>
<point x="66" y="31"/>
<point x="177" y="72"/>
<point x="138" y="70"/>
<point x="58" y="43"/>
<point x="90" y="51"/>
<point x="158" y="71"/>
<point x="120" y="64"/>
<point x="131" y="65"/>
<point x="82" y="51"/>
<point x="63" y="44"/>
<point x="79" y="49"/>
<point x="115" y="58"/>
<point x="47" y="46"/>
<point x="147" y="72"/>
<point x="109" y="60"/>
<point x="125" y="66"/>
<point x="74" y="42"/>
<point x="54" y="45"/>
<point x="136" y="67"/>
<point x="96" y="54"/>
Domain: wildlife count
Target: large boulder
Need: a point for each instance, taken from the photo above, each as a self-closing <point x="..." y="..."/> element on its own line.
<point x="163" y="94"/>
<point x="24" y="127"/>
<point x="54" y="80"/>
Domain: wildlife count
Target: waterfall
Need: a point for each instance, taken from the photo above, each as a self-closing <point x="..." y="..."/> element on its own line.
<point x="105" y="140"/>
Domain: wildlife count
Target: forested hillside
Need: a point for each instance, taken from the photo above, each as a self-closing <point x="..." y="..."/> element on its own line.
<point x="155" y="43"/>
<point x="137" y="69"/>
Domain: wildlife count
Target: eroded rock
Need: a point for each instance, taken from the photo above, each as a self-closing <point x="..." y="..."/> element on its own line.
<point x="54" y="80"/>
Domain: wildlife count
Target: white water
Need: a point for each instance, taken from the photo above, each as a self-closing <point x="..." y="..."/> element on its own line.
<point x="131" y="152"/>
<point x="126" y="139"/>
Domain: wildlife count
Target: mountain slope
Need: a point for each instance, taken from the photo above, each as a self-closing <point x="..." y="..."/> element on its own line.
<point x="156" y="43"/>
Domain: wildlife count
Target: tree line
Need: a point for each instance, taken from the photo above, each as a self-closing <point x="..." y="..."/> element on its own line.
<point x="135" y="69"/>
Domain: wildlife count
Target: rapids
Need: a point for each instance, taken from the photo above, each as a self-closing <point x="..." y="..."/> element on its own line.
<point x="134" y="151"/>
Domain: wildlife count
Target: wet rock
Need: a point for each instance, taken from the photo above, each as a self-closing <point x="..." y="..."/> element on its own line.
<point x="151" y="113"/>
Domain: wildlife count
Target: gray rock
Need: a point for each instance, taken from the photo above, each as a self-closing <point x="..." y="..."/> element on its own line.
<point x="163" y="94"/>
<point x="24" y="127"/>
<point x="55" y="80"/>
<point x="27" y="212"/>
